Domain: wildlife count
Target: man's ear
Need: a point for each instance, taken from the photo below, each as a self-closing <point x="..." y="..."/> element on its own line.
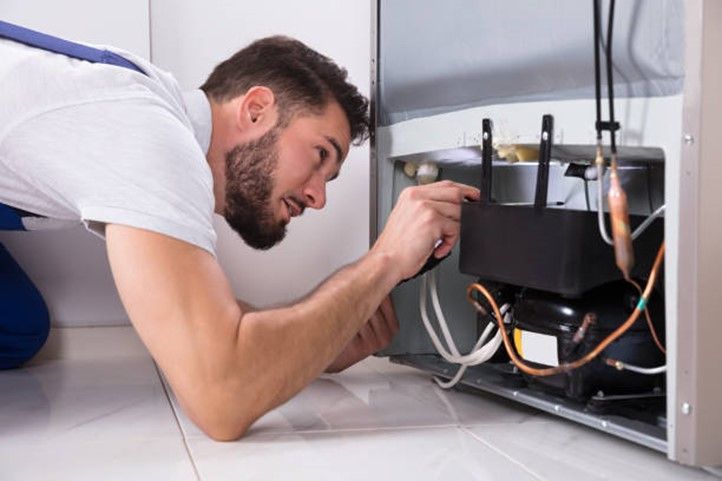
<point x="257" y="109"/>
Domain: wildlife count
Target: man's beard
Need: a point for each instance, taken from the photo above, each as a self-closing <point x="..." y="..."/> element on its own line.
<point x="249" y="185"/>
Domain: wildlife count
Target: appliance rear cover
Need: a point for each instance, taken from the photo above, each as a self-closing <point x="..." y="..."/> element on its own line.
<point x="437" y="57"/>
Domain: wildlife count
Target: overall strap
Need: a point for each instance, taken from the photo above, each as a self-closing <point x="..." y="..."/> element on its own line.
<point x="47" y="42"/>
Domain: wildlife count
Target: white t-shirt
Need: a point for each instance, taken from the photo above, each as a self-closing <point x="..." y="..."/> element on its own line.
<point x="98" y="144"/>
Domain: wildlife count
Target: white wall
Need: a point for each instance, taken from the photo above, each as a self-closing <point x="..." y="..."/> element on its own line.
<point x="188" y="38"/>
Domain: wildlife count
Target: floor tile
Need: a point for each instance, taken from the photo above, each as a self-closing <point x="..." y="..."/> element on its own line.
<point x="564" y="451"/>
<point x="92" y="402"/>
<point x="106" y="459"/>
<point x="115" y="392"/>
<point x="416" y="454"/>
<point x="363" y="397"/>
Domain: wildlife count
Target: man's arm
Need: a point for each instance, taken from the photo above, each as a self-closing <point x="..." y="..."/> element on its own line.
<point x="376" y="334"/>
<point x="227" y="366"/>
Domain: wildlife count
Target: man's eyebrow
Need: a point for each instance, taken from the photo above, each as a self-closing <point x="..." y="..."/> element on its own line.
<point x="337" y="148"/>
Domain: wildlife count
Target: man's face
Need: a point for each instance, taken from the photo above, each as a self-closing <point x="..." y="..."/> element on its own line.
<point x="275" y="177"/>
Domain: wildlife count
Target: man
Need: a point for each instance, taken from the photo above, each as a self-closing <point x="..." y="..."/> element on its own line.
<point x="146" y="166"/>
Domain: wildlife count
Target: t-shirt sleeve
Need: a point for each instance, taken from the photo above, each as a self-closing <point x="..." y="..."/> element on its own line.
<point x="128" y="161"/>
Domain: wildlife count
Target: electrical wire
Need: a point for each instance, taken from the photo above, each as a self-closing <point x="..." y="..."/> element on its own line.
<point x="610" y="86"/>
<point x="566" y="367"/>
<point x="623" y="366"/>
<point x="477" y="355"/>
<point x="597" y="81"/>
<point x="482" y="350"/>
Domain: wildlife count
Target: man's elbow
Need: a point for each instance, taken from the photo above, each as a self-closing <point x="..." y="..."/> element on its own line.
<point x="223" y="431"/>
<point x="221" y="420"/>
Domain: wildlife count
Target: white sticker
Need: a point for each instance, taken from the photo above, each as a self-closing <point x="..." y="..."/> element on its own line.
<point x="539" y="348"/>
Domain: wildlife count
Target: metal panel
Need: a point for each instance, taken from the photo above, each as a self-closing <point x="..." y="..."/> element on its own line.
<point x="694" y="412"/>
<point x="373" y="149"/>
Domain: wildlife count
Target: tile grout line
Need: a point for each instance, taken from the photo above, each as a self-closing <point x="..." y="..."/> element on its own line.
<point x="178" y="423"/>
<point x="502" y="453"/>
<point x="272" y="434"/>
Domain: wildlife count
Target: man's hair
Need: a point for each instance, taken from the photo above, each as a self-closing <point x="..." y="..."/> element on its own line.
<point x="301" y="79"/>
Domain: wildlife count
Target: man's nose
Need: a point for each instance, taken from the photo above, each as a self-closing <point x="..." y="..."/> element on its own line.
<point x="315" y="192"/>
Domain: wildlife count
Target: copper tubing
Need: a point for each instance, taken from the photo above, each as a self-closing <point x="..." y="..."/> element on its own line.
<point x="566" y="367"/>
<point x="619" y="212"/>
<point x="652" y="330"/>
<point x="589" y="320"/>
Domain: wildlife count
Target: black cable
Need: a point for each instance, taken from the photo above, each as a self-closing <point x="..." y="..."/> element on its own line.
<point x="597" y="81"/>
<point x="610" y="79"/>
<point x="586" y="194"/>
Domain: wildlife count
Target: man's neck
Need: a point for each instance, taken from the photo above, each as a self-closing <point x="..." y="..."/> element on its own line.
<point x="216" y="155"/>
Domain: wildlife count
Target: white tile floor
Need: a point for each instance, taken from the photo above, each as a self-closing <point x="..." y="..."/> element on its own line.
<point x="93" y="406"/>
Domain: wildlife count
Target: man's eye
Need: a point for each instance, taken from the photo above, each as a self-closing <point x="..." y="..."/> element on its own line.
<point x="322" y="153"/>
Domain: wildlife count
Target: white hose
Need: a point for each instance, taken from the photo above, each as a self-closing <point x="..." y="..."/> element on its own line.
<point x="641" y="227"/>
<point x="482" y="350"/>
<point x="650" y="371"/>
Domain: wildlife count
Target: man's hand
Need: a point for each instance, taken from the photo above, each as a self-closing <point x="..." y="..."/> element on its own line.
<point x="375" y="335"/>
<point x="425" y="221"/>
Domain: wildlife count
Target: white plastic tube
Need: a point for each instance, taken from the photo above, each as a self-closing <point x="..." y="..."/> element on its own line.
<point x="482" y="350"/>
<point x="641" y="227"/>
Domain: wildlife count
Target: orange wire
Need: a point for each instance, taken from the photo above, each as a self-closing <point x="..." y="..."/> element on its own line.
<point x="566" y="367"/>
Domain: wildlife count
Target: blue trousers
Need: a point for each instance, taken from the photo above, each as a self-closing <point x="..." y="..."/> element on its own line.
<point x="24" y="318"/>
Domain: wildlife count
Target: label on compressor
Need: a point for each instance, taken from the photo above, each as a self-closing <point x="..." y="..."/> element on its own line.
<point x="535" y="347"/>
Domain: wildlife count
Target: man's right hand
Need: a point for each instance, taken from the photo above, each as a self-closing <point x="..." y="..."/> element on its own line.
<point x="422" y="217"/>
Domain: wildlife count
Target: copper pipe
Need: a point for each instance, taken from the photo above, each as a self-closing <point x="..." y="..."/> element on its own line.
<point x="566" y="367"/>
<point x="619" y="212"/>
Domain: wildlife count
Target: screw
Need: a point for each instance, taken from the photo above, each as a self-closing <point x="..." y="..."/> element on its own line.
<point x="600" y="393"/>
<point x="486" y="136"/>
<point x="688" y="139"/>
<point x="686" y="409"/>
<point x="545" y="136"/>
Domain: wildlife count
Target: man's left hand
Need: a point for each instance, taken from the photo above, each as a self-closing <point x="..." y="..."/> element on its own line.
<point x="375" y="335"/>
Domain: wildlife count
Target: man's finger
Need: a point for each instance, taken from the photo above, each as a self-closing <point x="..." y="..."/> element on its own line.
<point x="445" y="209"/>
<point x="367" y="336"/>
<point x="447" y="191"/>
<point x="381" y="329"/>
<point x="449" y="236"/>
<point x="387" y="308"/>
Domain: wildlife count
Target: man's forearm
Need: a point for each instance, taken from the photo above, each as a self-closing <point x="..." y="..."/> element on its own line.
<point x="293" y="345"/>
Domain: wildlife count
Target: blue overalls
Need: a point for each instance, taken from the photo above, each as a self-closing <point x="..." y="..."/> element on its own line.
<point x="24" y="318"/>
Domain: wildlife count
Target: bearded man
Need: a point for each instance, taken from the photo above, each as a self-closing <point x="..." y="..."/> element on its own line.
<point x="145" y="166"/>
